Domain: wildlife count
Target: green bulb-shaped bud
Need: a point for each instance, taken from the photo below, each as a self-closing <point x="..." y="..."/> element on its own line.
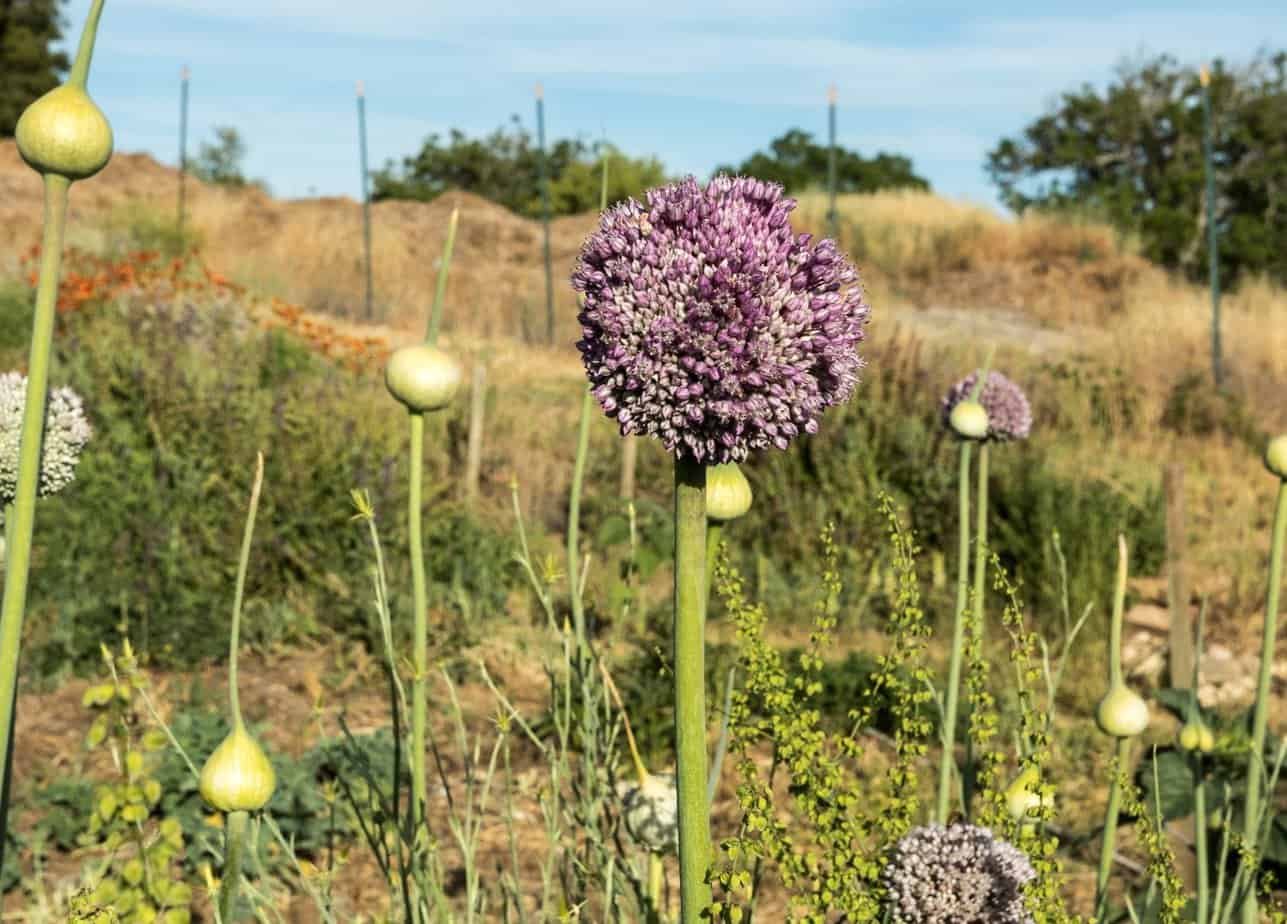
<point x="1026" y="795"/>
<point x="238" y="776"/>
<point x="1196" y="736"/>
<point x="969" y="420"/>
<point x="1122" y="713"/>
<point x="728" y="493"/>
<point x="1276" y="456"/>
<point x="422" y="377"/>
<point x="64" y="133"/>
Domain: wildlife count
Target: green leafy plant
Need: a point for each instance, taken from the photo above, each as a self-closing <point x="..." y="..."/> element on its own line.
<point x="138" y="876"/>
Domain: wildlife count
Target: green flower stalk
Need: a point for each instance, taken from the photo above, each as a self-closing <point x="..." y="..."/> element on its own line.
<point x="690" y="686"/>
<point x="1276" y="462"/>
<point x="237" y="778"/>
<point x="766" y="339"/>
<point x="1196" y="738"/>
<point x="969" y="421"/>
<point x="424" y="379"/>
<point x="1123" y="714"/>
<point x="64" y="137"/>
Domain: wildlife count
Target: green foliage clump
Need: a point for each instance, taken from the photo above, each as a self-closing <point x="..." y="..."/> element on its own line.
<point x="220" y="163"/>
<point x="893" y="441"/>
<point x="1133" y="154"/>
<point x="137" y="226"/>
<point x="505" y="167"/>
<point x="1195" y="408"/>
<point x="138" y="878"/>
<point x="129" y="549"/>
<point x="796" y="161"/>
<point x="835" y="865"/>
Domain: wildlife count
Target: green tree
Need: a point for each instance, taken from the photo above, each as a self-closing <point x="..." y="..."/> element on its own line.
<point x="798" y="162"/>
<point x="29" y="67"/>
<point x="1132" y="154"/>
<point x="221" y="163"/>
<point x="504" y="167"/>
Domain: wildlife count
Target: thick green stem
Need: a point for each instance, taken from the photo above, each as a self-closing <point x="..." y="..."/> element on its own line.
<point x="1255" y="767"/>
<point x="980" y="570"/>
<point x="440" y="290"/>
<point x="79" y="76"/>
<point x="1115" y="680"/>
<point x="21" y="514"/>
<point x="690" y="687"/>
<point x="1200" y="838"/>
<point x="234" y="845"/>
<point x="958" y="633"/>
<point x="243" y="563"/>
<point x="1109" y="840"/>
<point x="574" y="520"/>
<point x="420" y="626"/>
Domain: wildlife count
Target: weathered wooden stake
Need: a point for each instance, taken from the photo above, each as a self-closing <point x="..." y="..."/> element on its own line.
<point x="629" y="461"/>
<point x="474" y="452"/>
<point x="1181" y="641"/>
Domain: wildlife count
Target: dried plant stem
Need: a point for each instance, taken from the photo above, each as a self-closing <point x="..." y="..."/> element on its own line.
<point x="1255" y="767"/>
<point x="958" y="627"/>
<point x="690" y="687"/>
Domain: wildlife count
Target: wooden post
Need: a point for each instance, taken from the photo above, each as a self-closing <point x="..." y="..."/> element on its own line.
<point x="474" y="451"/>
<point x="1181" y="641"/>
<point x="366" y="201"/>
<point x="629" y="461"/>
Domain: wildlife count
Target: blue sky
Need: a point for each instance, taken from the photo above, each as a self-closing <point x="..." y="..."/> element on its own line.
<point x="695" y="83"/>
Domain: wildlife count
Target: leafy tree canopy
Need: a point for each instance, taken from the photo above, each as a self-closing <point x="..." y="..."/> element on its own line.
<point x="797" y="162"/>
<point x="29" y="67"/>
<point x="505" y="167"/>
<point x="1132" y="154"/>
<point x="221" y="162"/>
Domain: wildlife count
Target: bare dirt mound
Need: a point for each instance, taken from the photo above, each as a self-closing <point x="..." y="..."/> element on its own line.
<point x="309" y="251"/>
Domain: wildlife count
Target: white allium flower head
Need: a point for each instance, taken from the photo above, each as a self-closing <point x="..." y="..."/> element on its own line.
<point x="66" y="432"/>
<point x="959" y="874"/>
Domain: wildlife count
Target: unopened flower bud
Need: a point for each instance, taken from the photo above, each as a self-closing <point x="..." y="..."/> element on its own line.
<point x="238" y="776"/>
<point x="1026" y="795"/>
<point x="728" y="493"/>
<point x="64" y="133"/>
<point x="1122" y="713"/>
<point x="422" y="377"/>
<point x="969" y="420"/>
<point x="1276" y="456"/>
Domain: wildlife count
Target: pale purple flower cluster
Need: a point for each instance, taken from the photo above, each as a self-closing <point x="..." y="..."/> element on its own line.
<point x="960" y="874"/>
<point x="709" y="324"/>
<point x="1009" y="414"/>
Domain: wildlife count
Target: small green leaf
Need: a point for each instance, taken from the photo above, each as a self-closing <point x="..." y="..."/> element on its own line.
<point x="99" y="695"/>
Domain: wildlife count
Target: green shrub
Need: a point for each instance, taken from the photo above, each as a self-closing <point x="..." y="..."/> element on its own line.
<point x="140" y="542"/>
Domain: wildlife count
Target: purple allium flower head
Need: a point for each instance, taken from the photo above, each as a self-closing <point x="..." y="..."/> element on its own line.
<point x="1009" y="414"/>
<point x="709" y="324"/>
<point x="960" y="874"/>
